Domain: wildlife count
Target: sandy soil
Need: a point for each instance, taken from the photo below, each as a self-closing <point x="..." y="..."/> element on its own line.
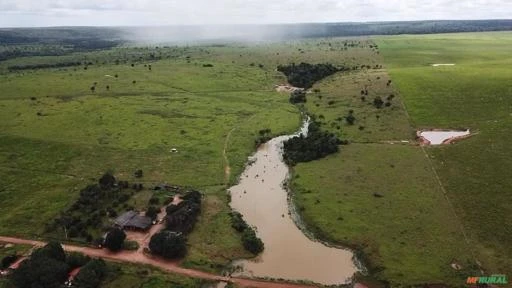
<point x="458" y="135"/>
<point x="447" y="64"/>
<point x="286" y="88"/>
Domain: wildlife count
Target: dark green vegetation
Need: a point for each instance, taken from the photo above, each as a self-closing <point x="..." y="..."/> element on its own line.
<point x="11" y="253"/>
<point x="91" y="274"/>
<point x="90" y="215"/>
<point x="168" y="244"/>
<point x="298" y="96"/>
<point x="182" y="217"/>
<point x="305" y="75"/>
<point x="317" y="144"/>
<point x="475" y="93"/>
<point x="179" y="222"/>
<point x="115" y="239"/>
<point x="250" y="241"/>
<point x="49" y="267"/>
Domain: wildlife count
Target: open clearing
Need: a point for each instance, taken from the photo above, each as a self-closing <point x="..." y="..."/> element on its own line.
<point x="474" y="94"/>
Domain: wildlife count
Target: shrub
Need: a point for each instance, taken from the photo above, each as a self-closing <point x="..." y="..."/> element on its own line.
<point x="377" y="102"/>
<point x="131" y="245"/>
<point x="237" y="221"/>
<point x="75" y="259"/>
<point x="298" y="96"/>
<point x="251" y="242"/>
<point x="8" y="260"/>
<point x="91" y="274"/>
<point x="152" y="212"/>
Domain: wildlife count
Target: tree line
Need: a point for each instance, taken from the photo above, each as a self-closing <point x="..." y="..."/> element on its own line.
<point x="304" y="75"/>
<point x="50" y="266"/>
<point x="317" y="144"/>
<point x="43" y="66"/>
<point x="181" y="218"/>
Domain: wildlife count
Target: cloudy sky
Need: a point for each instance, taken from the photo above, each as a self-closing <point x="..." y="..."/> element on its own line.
<point x="15" y="13"/>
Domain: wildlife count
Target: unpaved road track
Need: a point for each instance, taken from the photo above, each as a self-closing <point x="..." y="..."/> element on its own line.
<point x="137" y="257"/>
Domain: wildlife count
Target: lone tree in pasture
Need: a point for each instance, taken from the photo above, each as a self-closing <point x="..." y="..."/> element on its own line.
<point x="350" y="118"/>
<point x="377" y="102"/>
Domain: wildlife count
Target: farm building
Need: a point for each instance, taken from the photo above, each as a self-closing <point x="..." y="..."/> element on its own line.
<point x="131" y="220"/>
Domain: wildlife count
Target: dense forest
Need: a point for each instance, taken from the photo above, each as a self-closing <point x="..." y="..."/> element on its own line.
<point x="305" y="75"/>
<point x="317" y="144"/>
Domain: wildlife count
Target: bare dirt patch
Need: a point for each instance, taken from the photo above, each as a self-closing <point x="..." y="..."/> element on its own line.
<point x="445" y="64"/>
<point x="286" y="88"/>
<point x="441" y="137"/>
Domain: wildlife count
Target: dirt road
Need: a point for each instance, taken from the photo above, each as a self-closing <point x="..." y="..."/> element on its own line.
<point x="171" y="266"/>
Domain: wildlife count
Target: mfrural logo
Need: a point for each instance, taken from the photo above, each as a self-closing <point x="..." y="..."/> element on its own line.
<point x="493" y="279"/>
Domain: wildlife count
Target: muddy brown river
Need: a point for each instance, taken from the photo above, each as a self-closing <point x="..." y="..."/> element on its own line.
<point x="289" y="254"/>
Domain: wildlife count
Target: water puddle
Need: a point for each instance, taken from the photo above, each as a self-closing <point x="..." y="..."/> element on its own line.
<point x="441" y="137"/>
<point x="288" y="254"/>
<point x="446" y="64"/>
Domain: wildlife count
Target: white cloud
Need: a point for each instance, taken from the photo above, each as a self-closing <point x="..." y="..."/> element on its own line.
<point x="177" y="12"/>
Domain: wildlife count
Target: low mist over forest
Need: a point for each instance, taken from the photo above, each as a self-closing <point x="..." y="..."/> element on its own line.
<point x="63" y="40"/>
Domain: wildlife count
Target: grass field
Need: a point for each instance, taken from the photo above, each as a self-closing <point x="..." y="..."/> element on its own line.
<point x="475" y="93"/>
<point x="57" y="135"/>
<point x="411" y="234"/>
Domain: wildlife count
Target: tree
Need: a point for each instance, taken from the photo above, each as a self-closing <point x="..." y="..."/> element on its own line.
<point x="350" y="119"/>
<point x="52" y="250"/>
<point x="107" y="181"/>
<point x="377" y="102"/>
<point x="168" y="244"/>
<point x="45" y="268"/>
<point x="114" y="240"/>
<point x="152" y="212"/>
<point x="75" y="259"/>
<point x="251" y="242"/>
<point x="237" y="221"/>
<point x="91" y="274"/>
<point x="8" y="260"/>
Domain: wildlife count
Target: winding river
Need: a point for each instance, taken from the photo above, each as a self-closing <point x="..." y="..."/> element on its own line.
<point x="289" y="254"/>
